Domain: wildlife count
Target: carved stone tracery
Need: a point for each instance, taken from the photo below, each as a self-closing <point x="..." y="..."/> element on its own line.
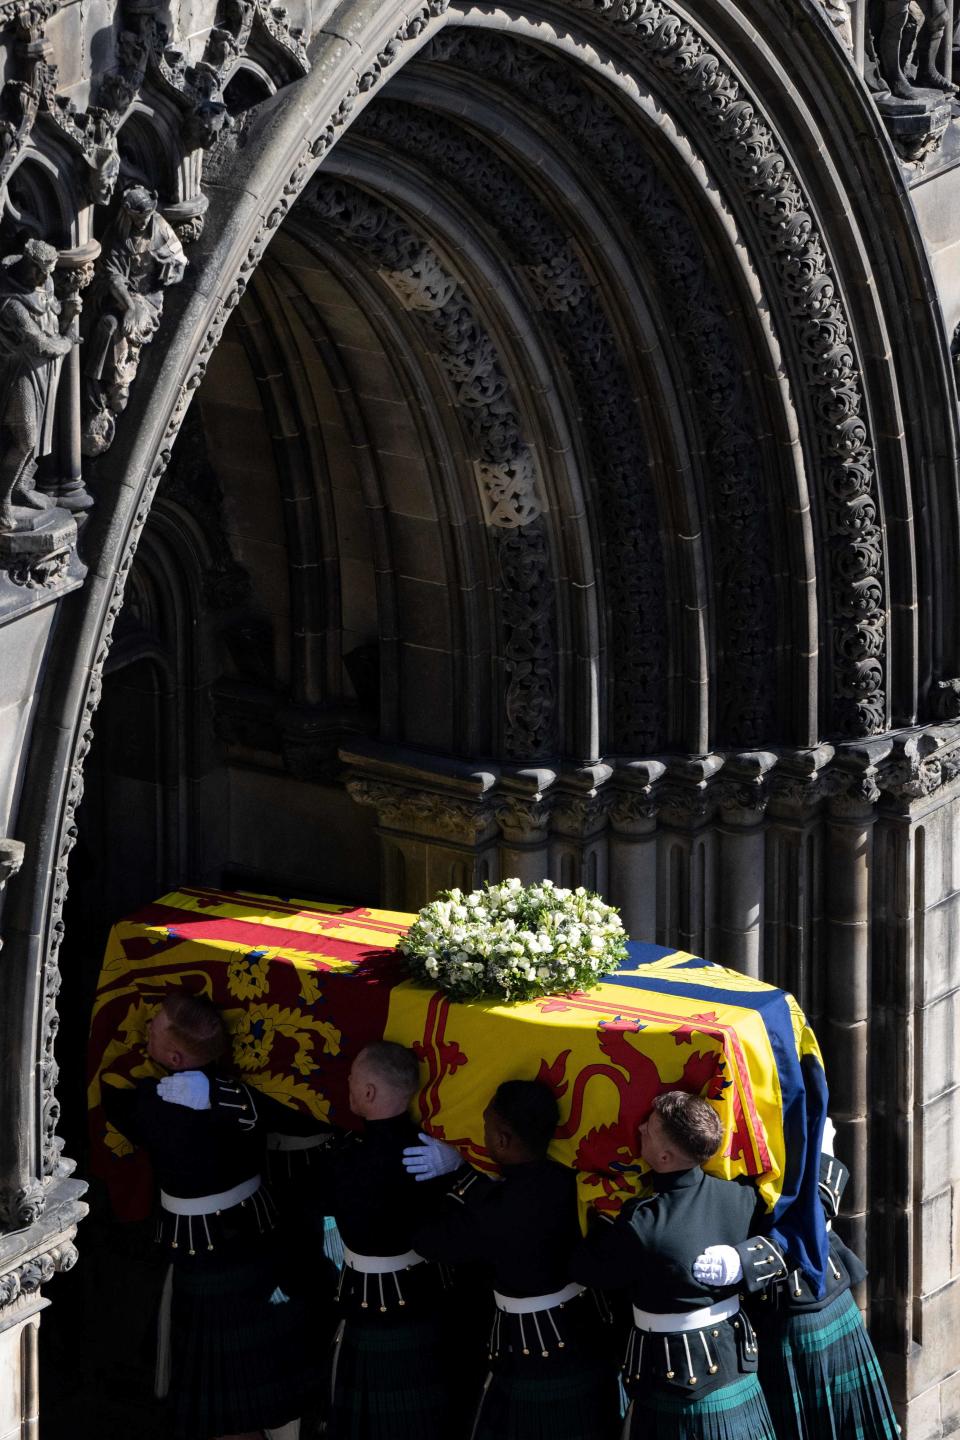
<point x="749" y="156"/>
<point x="592" y="352"/>
<point x="506" y="469"/>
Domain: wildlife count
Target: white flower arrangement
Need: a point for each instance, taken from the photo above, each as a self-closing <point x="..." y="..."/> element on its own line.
<point x="514" y="942"/>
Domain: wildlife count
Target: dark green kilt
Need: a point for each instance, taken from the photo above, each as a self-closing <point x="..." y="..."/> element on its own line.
<point x="734" y="1412"/>
<point x="552" y="1375"/>
<point x="390" y="1381"/>
<point x="578" y="1403"/>
<point x="822" y="1378"/>
<point x="238" y="1360"/>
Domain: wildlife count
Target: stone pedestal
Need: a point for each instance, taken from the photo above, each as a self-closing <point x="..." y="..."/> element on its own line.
<point x="36" y="556"/>
<point x="916" y="127"/>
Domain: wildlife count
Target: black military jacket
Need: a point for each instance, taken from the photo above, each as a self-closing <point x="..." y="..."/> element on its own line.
<point x="193" y="1152"/>
<point x="767" y="1272"/>
<point x="524" y="1227"/>
<point x="651" y="1246"/>
<point x="377" y="1205"/>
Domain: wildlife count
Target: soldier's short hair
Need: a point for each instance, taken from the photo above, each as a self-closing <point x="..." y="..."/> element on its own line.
<point x="691" y="1123"/>
<point x="529" y="1108"/>
<point x="41" y="253"/>
<point x="394" y="1065"/>
<point x="196" y="1025"/>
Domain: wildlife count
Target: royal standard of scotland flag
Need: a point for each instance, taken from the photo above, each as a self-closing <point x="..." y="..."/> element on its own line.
<point x="304" y="986"/>
<point x="665" y="1020"/>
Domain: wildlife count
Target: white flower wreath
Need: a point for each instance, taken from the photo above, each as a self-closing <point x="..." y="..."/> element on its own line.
<point x="513" y="942"/>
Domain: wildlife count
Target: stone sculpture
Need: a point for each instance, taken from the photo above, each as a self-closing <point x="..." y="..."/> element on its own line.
<point x="890" y="21"/>
<point x="141" y="258"/>
<point x="104" y="172"/>
<point x="32" y="347"/>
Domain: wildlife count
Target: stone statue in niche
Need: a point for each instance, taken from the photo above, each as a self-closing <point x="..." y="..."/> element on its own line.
<point x="838" y="13"/>
<point x="141" y="257"/>
<point x="902" y="27"/>
<point x="32" y="347"/>
<point x="104" y="163"/>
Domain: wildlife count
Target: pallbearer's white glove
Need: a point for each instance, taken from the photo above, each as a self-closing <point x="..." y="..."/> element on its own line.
<point x="188" y="1087"/>
<point x="829" y="1137"/>
<point x="718" y="1265"/>
<point x="431" y="1158"/>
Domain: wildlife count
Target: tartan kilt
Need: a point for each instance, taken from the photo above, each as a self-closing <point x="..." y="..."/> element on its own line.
<point x="238" y="1361"/>
<point x="580" y="1402"/>
<point x="390" y="1381"/>
<point x="736" y="1411"/>
<point x="822" y="1378"/>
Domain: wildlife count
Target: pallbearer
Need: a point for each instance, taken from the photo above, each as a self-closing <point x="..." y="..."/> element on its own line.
<point x="551" y="1368"/>
<point x="818" y="1367"/>
<point x="390" y="1378"/>
<point x="233" y="1350"/>
<point x="691" y="1363"/>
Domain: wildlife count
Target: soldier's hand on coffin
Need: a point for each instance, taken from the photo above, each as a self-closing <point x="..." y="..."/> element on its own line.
<point x="188" y="1087"/>
<point x="829" y="1137"/>
<point x="718" y="1265"/>
<point x="431" y="1159"/>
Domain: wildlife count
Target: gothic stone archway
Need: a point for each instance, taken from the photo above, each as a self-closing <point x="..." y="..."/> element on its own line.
<point x="654" y="313"/>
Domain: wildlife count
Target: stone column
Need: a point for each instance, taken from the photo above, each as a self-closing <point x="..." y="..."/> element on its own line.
<point x="578" y="844"/>
<point x="632" y="855"/>
<point x="74" y="273"/>
<point x="911" y="1202"/>
<point x="742" y="797"/>
<point x="844" y="1025"/>
<point x="686" y="888"/>
<point x="524" y="821"/>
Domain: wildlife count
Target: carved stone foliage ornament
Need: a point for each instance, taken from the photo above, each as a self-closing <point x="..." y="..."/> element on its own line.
<point x="31" y="1274"/>
<point x="401" y="808"/>
<point x="506" y="470"/>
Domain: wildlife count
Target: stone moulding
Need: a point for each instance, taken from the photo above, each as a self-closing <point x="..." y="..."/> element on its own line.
<point x="893" y="773"/>
<point x="30" y="1274"/>
<point x="680" y="62"/>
